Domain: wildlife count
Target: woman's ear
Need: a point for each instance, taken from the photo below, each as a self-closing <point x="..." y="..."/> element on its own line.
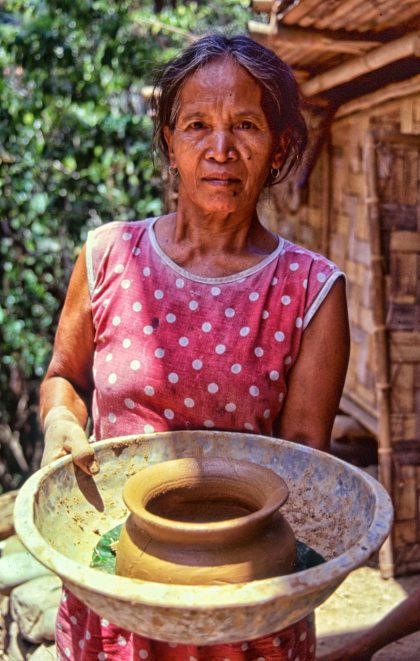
<point x="280" y="150"/>
<point x="167" y="134"/>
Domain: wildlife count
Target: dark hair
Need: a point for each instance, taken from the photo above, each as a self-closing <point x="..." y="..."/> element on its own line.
<point x="280" y="92"/>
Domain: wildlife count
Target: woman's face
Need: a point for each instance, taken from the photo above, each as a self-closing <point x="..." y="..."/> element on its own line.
<point x="222" y="144"/>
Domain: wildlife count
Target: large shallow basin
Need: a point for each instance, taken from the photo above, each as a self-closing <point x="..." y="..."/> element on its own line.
<point x="337" y="509"/>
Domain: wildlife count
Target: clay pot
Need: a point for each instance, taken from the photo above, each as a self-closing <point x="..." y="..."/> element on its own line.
<point x="207" y="521"/>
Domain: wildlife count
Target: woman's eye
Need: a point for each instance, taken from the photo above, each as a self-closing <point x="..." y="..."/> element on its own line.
<point x="196" y="126"/>
<point x="246" y="124"/>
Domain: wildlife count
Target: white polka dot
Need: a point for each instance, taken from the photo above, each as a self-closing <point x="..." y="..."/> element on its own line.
<point x="143" y="654"/>
<point x="125" y="284"/>
<point x="259" y="352"/>
<point x="274" y="375"/>
<point x="73" y="619"/>
<point x="173" y="644"/>
<point x="135" y="365"/>
<point x="146" y="271"/>
<point x="119" y="268"/>
<point x="59" y="626"/>
<point x="220" y="348"/>
<point x="116" y="321"/>
<point x="102" y="656"/>
<point x="149" y="390"/>
<point x="129" y="403"/>
<point x="276" y="641"/>
<point x="149" y="429"/>
<point x="136" y="252"/>
<point x="236" y="368"/>
<point x="321" y="277"/>
<point x="261" y="658"/>
<point x="112" y="378"/>
<point x="299" y="322"/>
<point x="244" y="647"/>
<point x="193" y="305"/>
<point x="244" y="331"/>
<point x="206" y="327"/>
<point x="169" y="414"/>
<point x="170" y="318"/>
<point x="67" y="652"/>
<point x="122" y="641"/>
<point x="193" y="658"/>
<point x="229" y="312"/>
<point x="274" y="281"/>
<point x="104" y="622"/>
<point x="108" y="358"/>
<point x="148" y="330"/>
<point x="137" y="306"/>
<point x="254" y="391"/>
<point x="265" y="314"/>
<point x="173" y="377"/>
<point x="106" y="303"/>
<point x="267" y="413"/>
<point x="279" y="336"/>
<point x="189" y="403"/>
<point x="288" y="360"/>
<point x="112" y="418"/>
<point x="126" y="343"/>
<point x="183" y="341"/>
<point x="248" y="426"/>
<point x="230" y="407"/>
<point x="303" y="636"/>
<point x="281" y="396"/>
<point x="254" y="296"/>
<point x="286" y="300"/>
<point x="158" y="294"/>
<point x="294" y="266"/>
<point x="159" y="352"/>
<point x="126" y="236"/>
<point x="180" y="283"/>
<point x="290" y="654"/>
<point x="215" y="291"/>
<point x="312" y="648"/>
<point x="88" y="635"/>
<point x="212" y="387"/>
<point x="197" y="364"/>
<point x="305" y="283"/>
<point x="208" y="423"/>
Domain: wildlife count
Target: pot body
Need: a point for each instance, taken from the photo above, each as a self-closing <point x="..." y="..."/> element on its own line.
<point x="205" y="522"/>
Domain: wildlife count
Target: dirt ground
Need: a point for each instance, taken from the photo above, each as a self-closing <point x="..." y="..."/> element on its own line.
<point x="360" y="601"/>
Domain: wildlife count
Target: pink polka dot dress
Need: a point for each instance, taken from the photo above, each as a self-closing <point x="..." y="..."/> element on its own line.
<point x="176" y="350"/>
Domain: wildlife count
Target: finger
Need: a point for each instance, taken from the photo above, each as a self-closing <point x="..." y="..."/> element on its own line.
<point x="51" y="454"/>
<point x="83" y="455"/>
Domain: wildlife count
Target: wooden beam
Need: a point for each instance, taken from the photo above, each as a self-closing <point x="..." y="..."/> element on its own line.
<point x="317" y="39"/>
<point x="407" y="46"/>
<point x="388" y="93"/>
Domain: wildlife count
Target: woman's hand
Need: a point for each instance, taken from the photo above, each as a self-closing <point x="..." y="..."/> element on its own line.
<point x="64" y="435"/>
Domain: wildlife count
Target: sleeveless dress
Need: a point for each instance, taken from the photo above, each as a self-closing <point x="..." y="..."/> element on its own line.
<point x="174" y="350"/>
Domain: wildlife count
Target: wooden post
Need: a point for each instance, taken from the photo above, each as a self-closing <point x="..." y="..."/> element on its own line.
<point x="386" y="561"/>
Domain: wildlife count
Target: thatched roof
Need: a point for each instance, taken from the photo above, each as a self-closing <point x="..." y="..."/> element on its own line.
<point x="330" y="43"/>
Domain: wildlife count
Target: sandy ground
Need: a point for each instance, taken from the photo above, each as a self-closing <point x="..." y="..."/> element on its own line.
<point x="361" y="601"/>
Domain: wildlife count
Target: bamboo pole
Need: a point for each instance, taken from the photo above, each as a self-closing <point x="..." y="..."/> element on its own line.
<point x="312" y="39"/>
<point x="389" y="93"/>
<point x="383" y="385"/>
<point x="396" y="50"/>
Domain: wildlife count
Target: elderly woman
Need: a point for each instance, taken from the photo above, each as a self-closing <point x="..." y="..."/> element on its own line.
<point x="201" y="318"/>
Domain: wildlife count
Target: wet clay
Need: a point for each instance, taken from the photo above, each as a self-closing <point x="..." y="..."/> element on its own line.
<point x="207" y="521"/>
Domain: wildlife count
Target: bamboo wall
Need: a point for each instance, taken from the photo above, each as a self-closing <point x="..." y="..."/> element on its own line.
<point x="332" y="218"/>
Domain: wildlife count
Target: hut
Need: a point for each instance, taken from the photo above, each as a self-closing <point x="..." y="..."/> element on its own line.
<point x="357" y="200"/>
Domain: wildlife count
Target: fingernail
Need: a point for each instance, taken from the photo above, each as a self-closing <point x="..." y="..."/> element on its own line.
<point x="94" y="467"/>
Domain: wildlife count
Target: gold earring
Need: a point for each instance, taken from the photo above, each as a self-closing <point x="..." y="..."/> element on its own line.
<point x="274" y="173"/>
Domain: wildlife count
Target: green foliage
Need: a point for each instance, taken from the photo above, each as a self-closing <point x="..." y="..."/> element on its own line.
<point x="74" y="149"/>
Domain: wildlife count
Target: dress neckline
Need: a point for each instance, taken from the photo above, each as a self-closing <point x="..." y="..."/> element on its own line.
<point x="234" y="277"/>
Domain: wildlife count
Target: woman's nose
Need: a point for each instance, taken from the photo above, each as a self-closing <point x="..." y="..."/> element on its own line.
<point x="221" y="146"/>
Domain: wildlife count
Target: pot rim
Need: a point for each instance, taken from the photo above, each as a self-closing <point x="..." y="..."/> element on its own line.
<point x="175" y="473"/>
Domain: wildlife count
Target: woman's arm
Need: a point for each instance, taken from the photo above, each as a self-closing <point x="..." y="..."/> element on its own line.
<point x="67" y="388"/>
<point x="316" y="380"/>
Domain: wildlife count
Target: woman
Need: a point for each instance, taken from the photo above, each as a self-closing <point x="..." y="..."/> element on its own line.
<point x="201" y="318"/>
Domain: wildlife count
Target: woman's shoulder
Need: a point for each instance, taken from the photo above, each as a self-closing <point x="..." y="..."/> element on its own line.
<point x="293" y="251"/>
<point x="117" y="229"/>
